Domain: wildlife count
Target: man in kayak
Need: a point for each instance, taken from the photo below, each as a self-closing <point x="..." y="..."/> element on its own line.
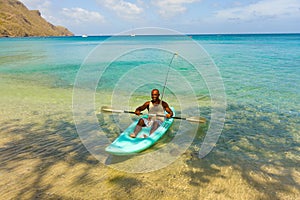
<point x="155" y="106"/>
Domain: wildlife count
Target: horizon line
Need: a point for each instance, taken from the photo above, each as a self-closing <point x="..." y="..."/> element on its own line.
<point x="191" y="34"/>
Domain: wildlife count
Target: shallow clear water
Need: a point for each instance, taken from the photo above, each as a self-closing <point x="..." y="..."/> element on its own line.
<point x="261" y="75"/>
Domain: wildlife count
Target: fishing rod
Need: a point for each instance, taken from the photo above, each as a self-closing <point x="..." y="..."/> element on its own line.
<point x="163" y="92"/>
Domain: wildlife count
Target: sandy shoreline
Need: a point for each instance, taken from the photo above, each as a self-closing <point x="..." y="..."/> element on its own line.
<point x="42" y="157"/>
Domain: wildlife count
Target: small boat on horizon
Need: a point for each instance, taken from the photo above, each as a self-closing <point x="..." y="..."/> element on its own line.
<point x="84" y="35"/>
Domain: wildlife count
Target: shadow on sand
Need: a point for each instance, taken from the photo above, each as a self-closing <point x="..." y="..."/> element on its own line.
<point x="260" y="146"/>
<point x="262" y="150"/>
<point x="50" y="143"/>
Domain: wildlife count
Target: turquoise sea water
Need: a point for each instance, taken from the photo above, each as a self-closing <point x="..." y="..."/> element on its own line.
<point x="261" y="75"/>
<point x="259" y="70"/>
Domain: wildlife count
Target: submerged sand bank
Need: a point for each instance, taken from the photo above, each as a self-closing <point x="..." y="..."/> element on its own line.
<point x="42" y="157"/>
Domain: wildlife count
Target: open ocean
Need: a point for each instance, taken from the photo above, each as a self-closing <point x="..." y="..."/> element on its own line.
<point x="260" y="140"/>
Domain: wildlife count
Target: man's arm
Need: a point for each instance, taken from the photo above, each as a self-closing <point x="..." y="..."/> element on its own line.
<point x="168" y="109"/>
<point x="139" y="109"/>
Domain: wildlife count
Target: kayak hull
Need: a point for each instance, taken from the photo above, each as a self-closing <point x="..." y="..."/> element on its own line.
<point x="125" y="145"/>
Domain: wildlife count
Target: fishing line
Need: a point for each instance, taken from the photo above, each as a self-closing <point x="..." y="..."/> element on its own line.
<point x="163" y="92"/>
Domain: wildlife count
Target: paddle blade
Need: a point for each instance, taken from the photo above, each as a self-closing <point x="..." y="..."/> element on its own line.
<point x="110" y="109"/>
<point x="196" y="119"/>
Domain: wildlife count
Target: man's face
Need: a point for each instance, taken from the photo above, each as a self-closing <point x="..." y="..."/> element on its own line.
<point x="154" y="95"/>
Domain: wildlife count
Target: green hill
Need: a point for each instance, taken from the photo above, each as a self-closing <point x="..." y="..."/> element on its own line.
<point x="17" y="21"/>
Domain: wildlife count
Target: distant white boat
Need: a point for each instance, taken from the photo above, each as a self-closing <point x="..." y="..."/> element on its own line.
<point x="84" y="35"/>
<point x="132" y="34"/>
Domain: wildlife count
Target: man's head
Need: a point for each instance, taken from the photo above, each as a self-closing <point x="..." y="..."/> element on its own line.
<point x="155" y="94"/>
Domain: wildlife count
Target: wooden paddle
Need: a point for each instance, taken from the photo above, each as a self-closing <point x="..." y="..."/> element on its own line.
<point x="190" y="119"/>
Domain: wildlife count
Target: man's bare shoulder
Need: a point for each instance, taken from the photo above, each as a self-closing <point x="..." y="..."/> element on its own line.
<point x="164" y="104"/>
<point x="146" y="104"/>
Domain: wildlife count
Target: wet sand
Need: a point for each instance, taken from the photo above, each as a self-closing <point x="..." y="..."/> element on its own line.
<point x="42" y="157"/>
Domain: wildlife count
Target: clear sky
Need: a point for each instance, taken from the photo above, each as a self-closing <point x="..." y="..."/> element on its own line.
<point x="97" y="17"/>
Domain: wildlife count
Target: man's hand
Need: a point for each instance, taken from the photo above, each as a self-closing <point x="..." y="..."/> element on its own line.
<point x="168" y="115"/>
<point x="137" y="112"/>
